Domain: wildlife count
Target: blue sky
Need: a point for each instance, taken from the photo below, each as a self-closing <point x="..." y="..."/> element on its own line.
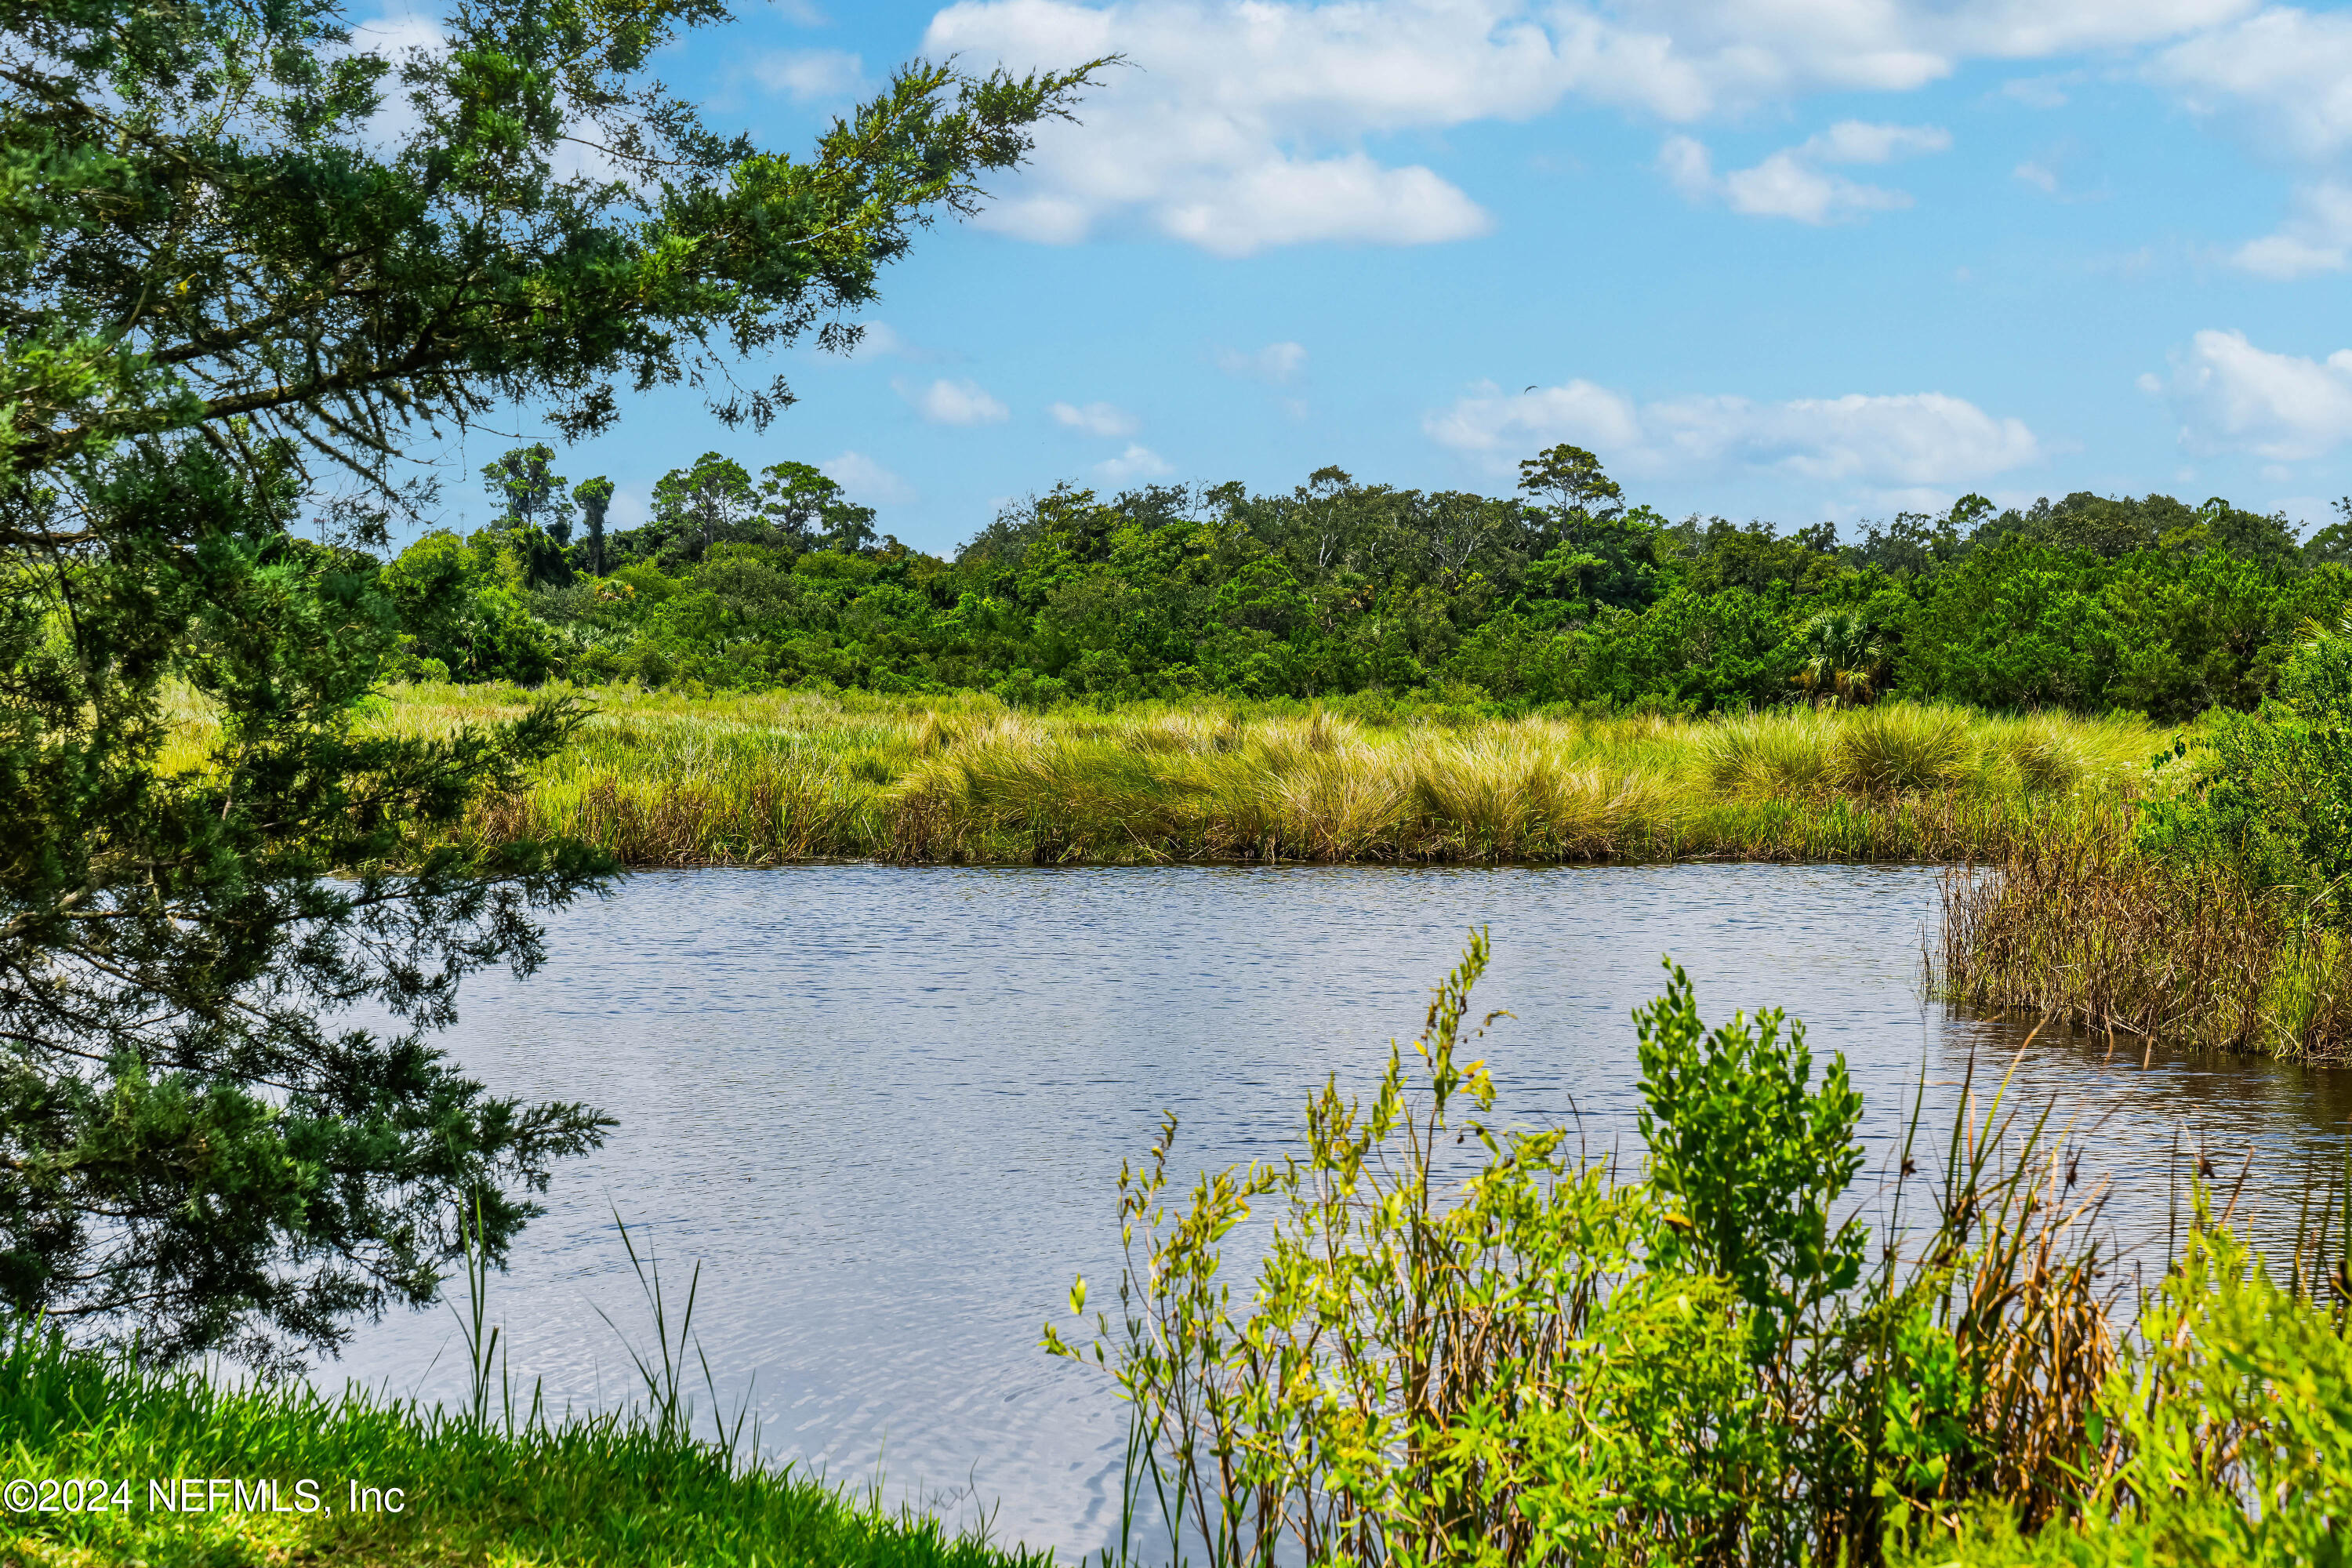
<point x="1790" y="260"/>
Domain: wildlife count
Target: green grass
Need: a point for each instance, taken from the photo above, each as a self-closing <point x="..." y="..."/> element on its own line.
<point x="664" y="779"/>
<point x="603" y="1489"/>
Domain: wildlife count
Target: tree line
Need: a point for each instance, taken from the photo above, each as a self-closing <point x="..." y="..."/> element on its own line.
<point x="1560" y="592"/>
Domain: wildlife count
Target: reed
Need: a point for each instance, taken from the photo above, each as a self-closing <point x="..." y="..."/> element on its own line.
<point x="659" y="779"/>
<point x="2071" y="922"/>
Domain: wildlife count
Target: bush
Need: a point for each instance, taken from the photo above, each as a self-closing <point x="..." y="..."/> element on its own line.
<point x="1467" y="1347"/>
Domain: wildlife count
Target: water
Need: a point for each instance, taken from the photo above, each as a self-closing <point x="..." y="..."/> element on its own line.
<point x="886" y="1109"/>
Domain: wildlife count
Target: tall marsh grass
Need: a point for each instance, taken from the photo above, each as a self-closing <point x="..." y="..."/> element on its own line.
<point x="661" y="779"/>
<point x="2072" y="922"/>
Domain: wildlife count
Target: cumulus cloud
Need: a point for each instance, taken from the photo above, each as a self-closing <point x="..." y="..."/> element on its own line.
<point x="2284" y="75"/>
<point x="1792" y="182"/>
<point x="2317" y="237"/>
<point x="945" y="402"/>
<point x="1907" y="439"/>
<point x="811" y="75"/>
<point x="1287" y="201"/>
<point x="1135" y="463"/>
<point x="2228" y="396"/>
<point x="2282" y="79"/>
<point x="866" y="482"/>
<point x="1277" y="365"/>
<point x="1247" y="124"/>
<point x="1094" y="418"/>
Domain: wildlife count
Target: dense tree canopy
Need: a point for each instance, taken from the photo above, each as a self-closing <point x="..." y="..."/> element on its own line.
<point x="229" y="283"/>
<point x="1559" y="594"/>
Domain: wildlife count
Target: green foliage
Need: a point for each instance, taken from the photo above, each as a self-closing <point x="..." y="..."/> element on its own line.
<point x="1463" y="1346"/>
<point x="220" y="267"/>
<point x="1845" y="661"/>
<point x="2168" y="633"/>
<point x="1339" y="588"/>
<point x="2225" y="1436"/>
<point x="1466" y="1346"/>
<point x="1753" y="1155"/>
<point x="192" y="1132"/>
<point x="1495" y="1380"/>
<point x="2270" y="793"/>
<point x="306" y="274"/>
<point x="613" y="1491"/>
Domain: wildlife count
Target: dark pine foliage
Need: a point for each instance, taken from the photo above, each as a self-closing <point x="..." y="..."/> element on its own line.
<point x="222" y="288"/>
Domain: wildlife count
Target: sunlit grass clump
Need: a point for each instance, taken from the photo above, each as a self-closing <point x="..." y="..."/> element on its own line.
<point x="664" y="779"/>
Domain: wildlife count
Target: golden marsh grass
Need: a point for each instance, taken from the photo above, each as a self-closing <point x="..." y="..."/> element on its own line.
<point x="659" y="779"/>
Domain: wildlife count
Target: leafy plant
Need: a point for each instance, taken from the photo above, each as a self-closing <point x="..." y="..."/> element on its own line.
<point x="1463" y="1346"/>
<point x="1752" y="1155"/>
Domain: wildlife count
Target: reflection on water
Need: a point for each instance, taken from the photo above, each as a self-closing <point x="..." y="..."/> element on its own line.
<point x="885" y="1108"/>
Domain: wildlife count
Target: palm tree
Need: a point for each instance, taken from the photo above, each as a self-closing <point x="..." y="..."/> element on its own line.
<point x="1843" y="662"/>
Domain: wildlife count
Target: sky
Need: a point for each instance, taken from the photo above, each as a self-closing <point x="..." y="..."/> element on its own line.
<point x="1797" y="260"/>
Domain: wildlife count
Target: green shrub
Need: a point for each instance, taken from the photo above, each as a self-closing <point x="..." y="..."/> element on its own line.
<point x="1466" y="1346"/>
<point x="2225" y="1438"/>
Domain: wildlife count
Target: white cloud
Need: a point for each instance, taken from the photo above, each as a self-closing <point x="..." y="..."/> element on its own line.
<point x="809" y="75"/>
<point x="1277" y="365"/>
<point x="1286" y="201"/>
<point x="1792" y="182"/>
<point x="1907" y="439"/>
<point x="2284" y="78"/>
<point x="867" y="482"/>
<point x="2285" y="75"/>
<point x="1096" y="418"/>
<point x="2228" y="396"/>
<point x="1135" y="463"/>
<point x="396" y="35"/>
<point x="2040" y="175"/>
<point x="1244" y="125"/>
<point x="945" y="402"/>
<point x="2317" y="238"/>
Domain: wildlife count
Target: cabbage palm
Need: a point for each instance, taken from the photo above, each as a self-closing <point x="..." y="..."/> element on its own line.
<point x="1845" y="661"/>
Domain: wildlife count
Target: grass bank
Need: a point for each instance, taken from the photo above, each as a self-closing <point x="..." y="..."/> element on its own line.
<point x="88" y="1434"/>
<point x="664" y="780"/>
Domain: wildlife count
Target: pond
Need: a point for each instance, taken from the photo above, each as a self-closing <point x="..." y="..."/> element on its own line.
<point x="885" y="1110"/>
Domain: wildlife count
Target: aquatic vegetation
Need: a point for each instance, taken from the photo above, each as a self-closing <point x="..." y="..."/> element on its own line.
<point x="1470" y="1345"/>
<point x="2075" y="923"/>
<point x="659" y="778"/>
<point x="2214" y="911"/>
